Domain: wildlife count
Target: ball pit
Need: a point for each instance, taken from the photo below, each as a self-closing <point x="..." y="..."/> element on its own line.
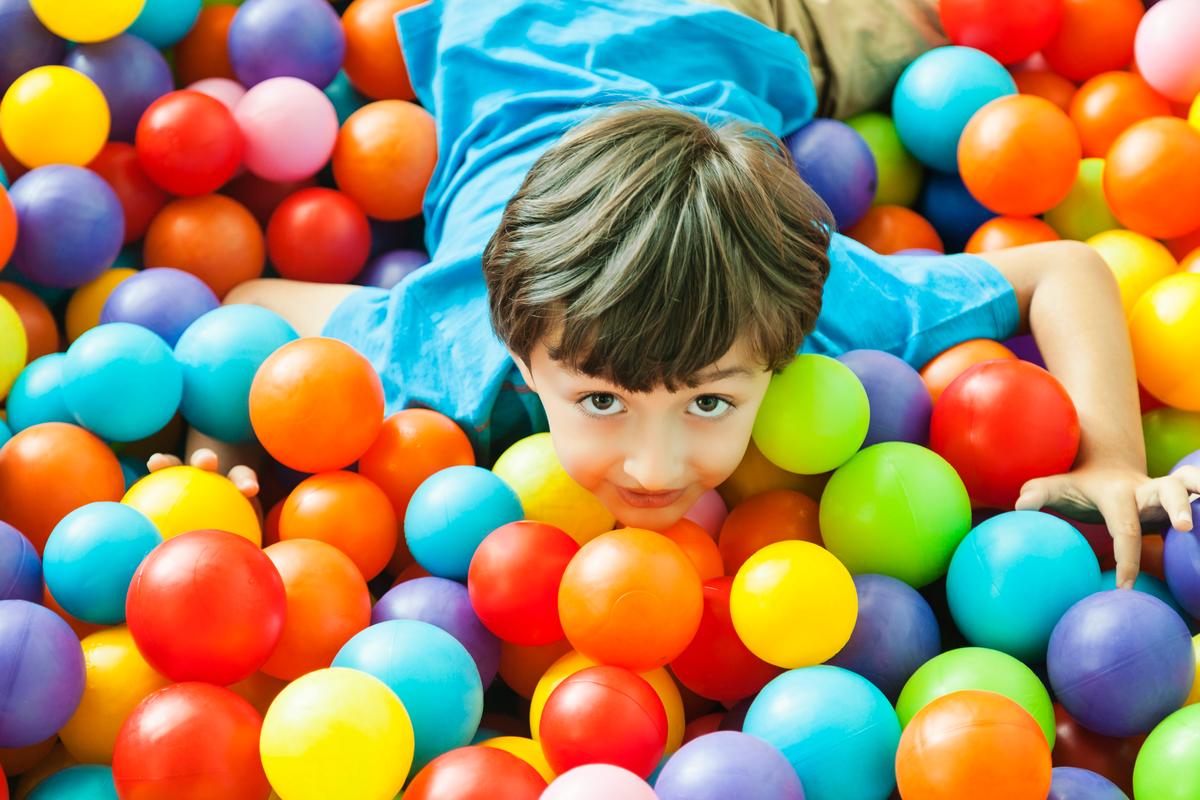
<point x="129" y="72"/>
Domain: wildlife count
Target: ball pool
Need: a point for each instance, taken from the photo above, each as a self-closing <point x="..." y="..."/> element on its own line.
<point x="43" y="662"/>
<point x="36" y="395"/>
<point x="182" y="499"/>
<point x="130" y="72"/>
<point x="347" y="511"/>
<point x="32" y="110"/>
<point x="27" y="42"/>
<point x="140" y="198"/>
<point x="165" y="22"/>
<point x="91" y="781"/>
<point x="996" y="28"/>
<point x="1084" y="212"/>
<point x="389" y="268"/>
<point x="163" y="299"/>
<point x="1166" y="57"/>
<point x="1108" y="104"/>
<point x="20" y="567"/>
<point x="289" y="127"/>
<point x="1072" y="783"/>
<point x="470" y="772"/>
<point x="598" y="782"/>
<point x="1000" y="233"/>
<point x="1152" y="177"/>
<point x="727" y="764"/>
<point x="952" y="211"/>
<point x="385" y="156"/>
<point x="891" y="230"/>
<point x="316" y="43"/>
<point x="188" y="143"/>
<point x="1137" y="262"/>
<point x="836" y="163"/>
<point x="899" y="174"/>
<point x="318" y="235"/>
<point x="899" y="402"/>
<point x="374" y="62"/>
<point x="1166" y="766"/>
<point x="1181" y="564"/>
<point x="1164" y="330"/>
<point x="212" y="236"/>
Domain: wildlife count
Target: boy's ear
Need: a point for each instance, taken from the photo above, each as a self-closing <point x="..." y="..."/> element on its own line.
<point x="523" y="368"/>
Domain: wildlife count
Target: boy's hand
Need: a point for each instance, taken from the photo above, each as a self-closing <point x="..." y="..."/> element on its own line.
<point x="242" y="476"/>
<point x="1123" y="499"/>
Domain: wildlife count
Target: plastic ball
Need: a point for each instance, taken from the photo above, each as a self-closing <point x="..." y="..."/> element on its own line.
<point x="388" y="269"/>
<point x="162" y="299"/>
<point x="973" y="743"/>
<point x="87" y="302"/>
<point x="720" y="765"/>
<point x="1164" y="48"/>
<point x="1152" y="177"/>
<point x="316" y="404"/>
<point x="476" y="773"/>
<point x="944" y="368"/>
<point x="347" y="511"/>
<point x="954" y="213"/>
<point x="698" y="546"/>
<point x="337" y="733"/>
<point x="598" y="782"/>
<point x="836" y="730"/>
<point x="83" y="21"/>
<point x="835" y="161"/>
<point x="1138" y="262"/>
<point x="28" y="44"/>
<point x="709" y="512"/>
<point x="165" y="22"/>
<point x="32" y="111"/>
<point x="1108" y="104"/>
<point x="20" y="567"/>
<point x="1076" y="746"/>
<point x="187" y="742"/>
<point x="289" y="127"/>
<point x="1169" y="435"/>
<point x="41" y="329"/>
<point x="630" y="598"/>
<point x="182" y="499"/>
<point x="204" y="51"/>
<point x="229" y="92"/>
<point x="525" y="749"/>
<point x="384" y="158"/>
<point x="1006" y="33"/>
<point x="1046" y="83"/>
<point x="1095" y="36"/>
<point x="889" y="230"/>
<point x="312" y="30"/>
<point x="90" y="781"/>
<point x="547" y="493"/>
<point x="895" y="509"/>
<point x="140" y="198"/>
<point x="14" y="344"/>
<point x="1166" y="766"/>
<point x="899" y="402"/>
<point x="1101" y="649"/>
<point x="71" y="225"/>
<point x="898" y="173"/>
<point x="130" y="72"/>
<point x="188" y="143"/>
<point x="374" y="62"/>
<point x="1072" y="783"/>
<point x="1181" y="563"/>
<point x="318" y="235"/>
<point x="937" y="95"/>
<point x="1001" y="233"/>
<point x="1164" y="330"/>
<point x="43" y="665"/>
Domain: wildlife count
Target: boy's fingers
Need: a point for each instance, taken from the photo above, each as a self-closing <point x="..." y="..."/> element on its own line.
<point x="1174" y="499"/>
<point x="245" y="480"/>
<point x="1121" y="515"/>
<point x="162" y="461"/>
<point x="1035" y="494"/>
<point x="204" y="459"/>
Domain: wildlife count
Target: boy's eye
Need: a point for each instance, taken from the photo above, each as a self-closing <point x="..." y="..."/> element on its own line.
<point x="601" y="404"/>
<point x="711" y="406"/>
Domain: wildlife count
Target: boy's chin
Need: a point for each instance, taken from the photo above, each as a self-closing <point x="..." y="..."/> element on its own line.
<point x="651" y="519"/>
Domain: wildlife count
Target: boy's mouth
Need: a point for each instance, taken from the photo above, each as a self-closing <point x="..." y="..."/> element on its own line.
<point x="640" y="499"/>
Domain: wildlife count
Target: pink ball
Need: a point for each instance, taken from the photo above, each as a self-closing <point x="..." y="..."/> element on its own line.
<point x="229" y="92"/>
<point x="598" y="782"/>
<point x="289" y="127"/>
<point x="1166" y="51"/>
<point x="708" y="512"/>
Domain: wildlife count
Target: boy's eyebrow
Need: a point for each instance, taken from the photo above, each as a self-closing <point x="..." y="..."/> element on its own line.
<point x="717" y="374"/>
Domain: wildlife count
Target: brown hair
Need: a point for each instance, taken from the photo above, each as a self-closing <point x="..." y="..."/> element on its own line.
<point x="645" y="242"/>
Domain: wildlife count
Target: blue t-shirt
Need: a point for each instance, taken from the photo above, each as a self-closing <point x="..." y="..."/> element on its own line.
<point x="504" y="79"/>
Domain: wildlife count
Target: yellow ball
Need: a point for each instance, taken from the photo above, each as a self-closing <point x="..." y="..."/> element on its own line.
<point x="1137" y="261"/>
<point x="548" y="494"/>
<point x="182" y="499"/>
<point x="1194" y="695"/>
<point x="525" y="749"/>
<point x="54" y="115"/>
<point x="659" y="679"/>
<point x="337" y="733"/>
<point x="793" y="604"/>
<point x="14" y="347"/>
<point x="1194" y="114"/>
<point x="117" y="679"/>
<point x="1165" y="332"/>
<point x="86" y="303"/>
<point x="87" y="20"/>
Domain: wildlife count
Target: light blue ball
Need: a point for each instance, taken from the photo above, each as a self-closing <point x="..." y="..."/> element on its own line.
<point x="121" y="382"/>
<point x="91" y="556"/>
<point x="5" y="433"/>
<point x="85" y="782"/>
<point x="938" y="94"/>
<point x="219" y="354"/>
<point x="452" y="512"/>
<point x="133" y="469"/>
<point x="1014" y="576"/>
<point x="432" y="674"/>
<point x="345" y="98"/>
<point x="162" y="23"/>
<point x="836" y="729"/>
<point x="37" y="394"/>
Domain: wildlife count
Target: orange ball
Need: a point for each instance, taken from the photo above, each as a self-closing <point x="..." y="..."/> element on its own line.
<point x="48" y="471"/>
<point x="41" y="331"/>
<point x="327" y="603"/>
<point x="1047" y="84"/>
<point x="949" y="364"/>
<point x="204" y="52"/>
<point x="1108" y="104"/>
<point x="522" y="666"/>
<point x="384" y="158"/>
<point x="374" y="62"/>
<point x="1191" y="262"/>
<point x="1183" y="246"/>
<point x="630" y="598"/>
<point x="1000" y="233"/>
<point x="773" y="516"/>
<point x="1152" y="178"/>
<point x="755" y="475"/>
<point x="316" y="404"/>
<point x="8" y="226"/>
<point x="973" y="744"/>
<point x="1095" y="36"/>
<point x="346" y="510"/>
<point x="890" y="229"/>
<point x="1019" y="155"/>
<point x="211" y="236"/>
<point x="698" y="546"/>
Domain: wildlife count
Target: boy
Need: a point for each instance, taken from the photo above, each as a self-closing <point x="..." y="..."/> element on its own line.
<point x="648" y="266"/>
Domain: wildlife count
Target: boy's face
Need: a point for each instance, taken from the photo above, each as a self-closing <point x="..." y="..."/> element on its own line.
<point x="648" y="456"/>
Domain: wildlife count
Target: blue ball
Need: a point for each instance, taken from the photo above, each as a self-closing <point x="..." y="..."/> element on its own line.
<point x="836" y="729"/>
<point x="274" y="38"/>
<point x="1152" y="586"/>
<point x="162" y="23"/>
<point x="938" y="94"/>
<point x="91" y="556"/>
<point x="219" y="354"/>
<point x="27" y="42"/>
<point x="122" y="382"/>
<point x="20" y="567"/>
<point x="163" y="299"/>
<point x="727" y="764"/>
<point x="5" y="432"/>
<point x="84" y="782"/>
<point x="131" y="73"/>
<point x="1072" y="783"/>
<point x="1014" y="576"/>
<point x="452" y="512"/>
<point x="37" y="394"/>
<point x="345" y="98"/>
<point x="836" y="162"/>
<point x="899" y="399"/>
<point x="432" y="674"/>
<point x="952" y="210"/>
<point x="133" y="469"/>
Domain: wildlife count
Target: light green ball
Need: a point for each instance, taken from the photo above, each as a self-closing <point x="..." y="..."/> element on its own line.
<point x="813" y="417"/>
<point x="1168" y="765"/>
<point x="900" y="174"/>
<point x="1170" y="434"/>
<point x="1085" y="212"/>
<point x="983" y="670"/>
<point x="895" y="509"/>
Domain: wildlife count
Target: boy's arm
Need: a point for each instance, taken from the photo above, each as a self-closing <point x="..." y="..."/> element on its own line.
<point x="1068" y="297"/>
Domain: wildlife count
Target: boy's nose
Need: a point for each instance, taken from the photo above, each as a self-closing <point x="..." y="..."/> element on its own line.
<point x="655" y="461"/>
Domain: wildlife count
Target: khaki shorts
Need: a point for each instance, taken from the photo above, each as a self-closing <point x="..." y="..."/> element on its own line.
<point x="857" y="48"/>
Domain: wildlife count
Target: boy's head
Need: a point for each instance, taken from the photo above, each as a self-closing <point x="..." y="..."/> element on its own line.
<point x="648" y="277"/>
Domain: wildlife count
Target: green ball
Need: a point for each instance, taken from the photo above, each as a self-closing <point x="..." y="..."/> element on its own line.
<point x="895" y="509"/>
<point x="813" y="417"/>
<point x="981" y="669"/>
<point x="1085" y="212"/>
<point x="1170" y="434"/>
<point x="1168" y="765"/>
<point x="900" y="174"/>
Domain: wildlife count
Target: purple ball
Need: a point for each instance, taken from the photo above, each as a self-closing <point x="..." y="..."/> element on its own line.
<point x="725" y="764"/>
<point x="1025" y="348"/>
<point x="1120" y="662"/>
<point x="276" y="38"/>
<point x="71" y="225"/>
<point x="41" y="673"/>
<point x="1072" y="783"/>
<point x="162" y="299"/>
<point x="1190" y="460"/>
<point x="952" y="210"/>
<point x="835" y="161"/>
<point x="388" y="269"/>
<point x="900" y="402"/>
<point x="131" y="73"/>
<point x="1181" y="564"/>
<point x="27" y="42"/>
<point x="446" y="604"/>
<point x="895" y="633"/>
<point x="20" y="567"/>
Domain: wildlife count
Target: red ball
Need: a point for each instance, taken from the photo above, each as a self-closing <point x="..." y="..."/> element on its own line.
<point x="1006" y="30"/>
<point x="604" y="715"/>
<point x="514" y="578"/>
<point x="188" y="143"/>
<point x="476" y="773"/>
<point x="190" y="741"/>
<point x="140" y="197"/>
<point x="206" y="606"/>
<point x="319" y="235"/>
<point x="716" y="664"/>
<point x="1002" y="423"/>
